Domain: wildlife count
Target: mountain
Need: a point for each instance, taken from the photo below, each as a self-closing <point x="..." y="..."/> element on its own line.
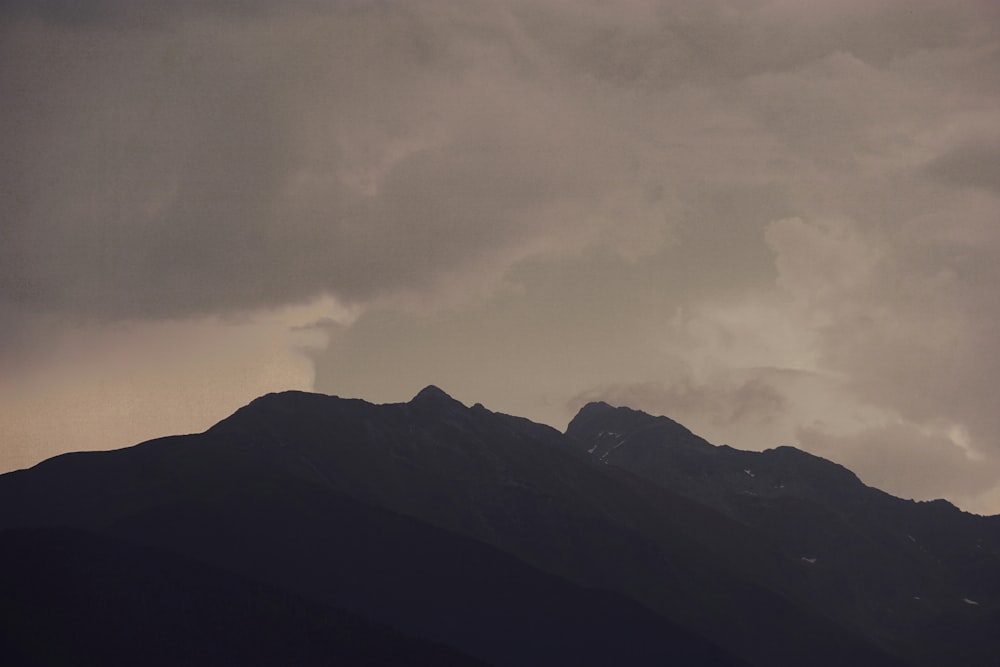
<point x="904" y="571"/>
<point x="77" y="598"/>
<point x="456" y="531"/>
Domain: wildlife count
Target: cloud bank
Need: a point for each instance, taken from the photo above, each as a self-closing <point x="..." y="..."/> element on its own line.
<point x="774" y="221"/>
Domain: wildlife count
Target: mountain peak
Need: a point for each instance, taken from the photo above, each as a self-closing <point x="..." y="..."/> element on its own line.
<point x="600" y="416"/>
<point x="601" y="407"/>
<point x="435" y="399"/>
<point x="596" y="406"/>
<point x="432" y="392"/>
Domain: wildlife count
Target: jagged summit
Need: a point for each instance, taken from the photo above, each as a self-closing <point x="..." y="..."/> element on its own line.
<point x="726" y="478"/>
<point x="433" y="393"/>
<point x="599" y="417"/>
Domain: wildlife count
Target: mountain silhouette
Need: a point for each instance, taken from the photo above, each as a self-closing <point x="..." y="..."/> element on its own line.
<point x="456" y="534"/>
<point x="902" y="570"/>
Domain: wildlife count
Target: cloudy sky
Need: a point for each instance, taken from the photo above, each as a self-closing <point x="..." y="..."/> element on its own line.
<point x="776" y="221"/>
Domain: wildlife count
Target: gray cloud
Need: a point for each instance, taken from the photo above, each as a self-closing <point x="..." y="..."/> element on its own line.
<point x="738" y="214"/>
<point x="195" y="171"/>
<point x="933" y="466"/>
<point x="746" y="400"/>
<point x="186" y="171"/>
<point x="378" y="149"/>
<point x="975" y="165"/>
<point x="149" y="13"/>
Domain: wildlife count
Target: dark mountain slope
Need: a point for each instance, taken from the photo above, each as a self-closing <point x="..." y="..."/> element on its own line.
<point x="247" y="514"/>
<point x="895" y="567"/>
<point x="459" y="525"/>
<point x="515" y="484"/>
<point x="69" y="597"/>
<point x="426" y="581"/>
<point x="187" y="498"/>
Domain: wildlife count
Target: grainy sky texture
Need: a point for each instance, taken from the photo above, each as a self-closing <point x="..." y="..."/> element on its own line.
<point x="776" y="221"/>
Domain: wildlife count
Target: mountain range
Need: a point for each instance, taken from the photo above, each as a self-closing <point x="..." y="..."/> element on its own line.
<point x="309" y="529"/>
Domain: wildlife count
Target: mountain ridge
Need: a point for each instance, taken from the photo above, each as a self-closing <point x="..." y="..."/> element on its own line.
<point x="623" y="502"/>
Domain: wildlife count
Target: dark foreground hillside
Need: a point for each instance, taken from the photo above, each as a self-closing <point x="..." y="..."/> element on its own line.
<point x="309" y="529"/>
<point x="78" y="598"/>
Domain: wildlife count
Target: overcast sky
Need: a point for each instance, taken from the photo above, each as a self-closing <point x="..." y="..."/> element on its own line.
<point x="776" y="221"/>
